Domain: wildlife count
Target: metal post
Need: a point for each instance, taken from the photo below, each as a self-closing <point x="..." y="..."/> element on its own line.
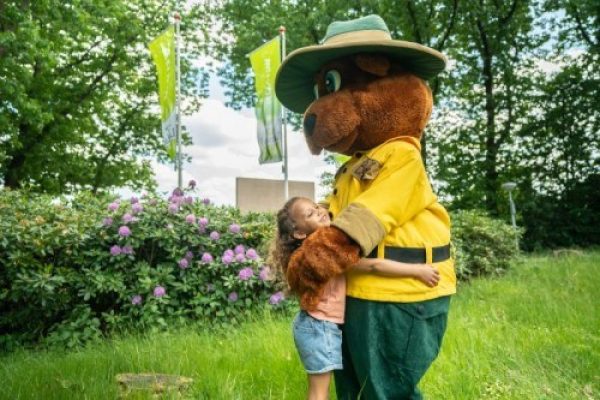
<point x="513" y="213"/>
<point x="177" y="18"/>
<point x="284" y="123"/>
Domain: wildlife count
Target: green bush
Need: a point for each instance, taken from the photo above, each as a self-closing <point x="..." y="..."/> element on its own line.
<point x="482" y="245"/>
<point x="74" y="269"/>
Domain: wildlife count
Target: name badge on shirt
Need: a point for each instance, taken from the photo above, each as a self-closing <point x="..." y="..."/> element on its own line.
<point x="368" y="169"/>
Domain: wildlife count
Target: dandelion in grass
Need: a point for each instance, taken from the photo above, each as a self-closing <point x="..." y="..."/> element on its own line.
<point x="159" y="291"/>
<point x="127" y="218"/>
<point x="214" y="235"/>
<point x="245" y="274"/>
<point x="107" y="221"/>
<point x="127" y="250"/>
<point x="115" y="250"/>
<point x="183" y="263"/>
<point x="190" y="219"/>
<point x="137" y="208"/>
<point x="207" y="258"/>
<point x="276" y="298"/>
<point x="233" y="297"/>
<point x="124" y="231"/>
<point x="234" y="228"/>
<point x="114" y="206"/>
<point x="136" y="300"/>
<point x="252" y="254"/>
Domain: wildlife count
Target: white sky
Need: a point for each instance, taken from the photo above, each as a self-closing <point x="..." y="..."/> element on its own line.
<point x="225" y="147"/>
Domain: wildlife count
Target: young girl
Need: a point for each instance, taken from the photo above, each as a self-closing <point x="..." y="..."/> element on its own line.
<point x="317" y="335"/>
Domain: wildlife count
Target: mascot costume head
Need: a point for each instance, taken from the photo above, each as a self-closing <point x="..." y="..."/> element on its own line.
<point x="364" y="95"/>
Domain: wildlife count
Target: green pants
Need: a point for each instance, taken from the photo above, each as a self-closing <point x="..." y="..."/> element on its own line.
<point x="388" y="347"/>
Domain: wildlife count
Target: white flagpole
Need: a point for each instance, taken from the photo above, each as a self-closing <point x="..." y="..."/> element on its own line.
<point x="177" y="18"/>
<point x="286" y="194"/>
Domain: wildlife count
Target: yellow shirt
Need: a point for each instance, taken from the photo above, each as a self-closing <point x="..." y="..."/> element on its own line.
<point x="382" y="197"/>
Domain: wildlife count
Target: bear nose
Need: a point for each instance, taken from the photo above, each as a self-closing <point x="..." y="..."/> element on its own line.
<point x="309" y="124"/>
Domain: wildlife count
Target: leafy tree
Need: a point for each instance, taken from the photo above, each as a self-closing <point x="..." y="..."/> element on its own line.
<point x="78" y="103"/>
<point x="489" y="98"/>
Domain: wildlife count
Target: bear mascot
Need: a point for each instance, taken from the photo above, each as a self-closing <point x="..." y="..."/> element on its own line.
<point x="364" y="95"/>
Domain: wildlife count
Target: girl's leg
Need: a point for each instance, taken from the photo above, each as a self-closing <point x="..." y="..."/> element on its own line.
<point x="318" y="386"/>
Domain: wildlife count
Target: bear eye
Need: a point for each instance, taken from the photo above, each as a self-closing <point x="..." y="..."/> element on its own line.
<point x="316" y="91"/>
<point x="333" y="80"/>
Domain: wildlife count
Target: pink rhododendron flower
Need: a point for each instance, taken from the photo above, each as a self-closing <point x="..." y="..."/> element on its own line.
<point x="214" y="235"/>
<point x="115" y="250"/>
<point x="159" y="291"/>
<point x="239" y="249"/>
<point x="190" y="219"/>
<point x="251" y="254"/>
<point x="245" y="274"/>
<point x="124" y="231"/>
<point x="207" y="258"/>
<point x="183" y="263"/>
<point x="276" y="298"/>
<point x="136" y="300"/>
<point x="234" y="228"/>
<point x="233" y="296"/>
<point x="113" y="206"/>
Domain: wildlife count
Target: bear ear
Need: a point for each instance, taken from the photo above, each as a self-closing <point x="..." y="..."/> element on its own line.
<point x="375" y="64"/>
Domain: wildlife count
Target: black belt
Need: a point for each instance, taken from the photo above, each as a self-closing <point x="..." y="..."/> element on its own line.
<point x="414" y="255"/>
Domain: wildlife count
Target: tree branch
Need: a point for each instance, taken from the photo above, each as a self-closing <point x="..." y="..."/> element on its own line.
<point x="415" y="23"/>
<point x="579" y="25"/>
<point x="448" y="30"/>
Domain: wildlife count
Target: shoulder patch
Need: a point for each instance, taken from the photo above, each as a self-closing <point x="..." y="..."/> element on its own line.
<point x="368" y="169"/>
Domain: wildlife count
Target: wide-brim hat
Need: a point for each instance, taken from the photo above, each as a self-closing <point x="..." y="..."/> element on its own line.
<point x="295" y="78"/>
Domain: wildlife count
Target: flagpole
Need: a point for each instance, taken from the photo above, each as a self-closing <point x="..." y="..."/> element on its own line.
<point x="177" y="18"/>
<point x="283" y="122"/>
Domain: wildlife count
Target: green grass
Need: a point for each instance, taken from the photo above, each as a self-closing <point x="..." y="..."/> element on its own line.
<point x="531" y="334"/>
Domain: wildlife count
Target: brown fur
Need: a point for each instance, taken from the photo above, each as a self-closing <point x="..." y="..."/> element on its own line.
<point x="325" y="253"/>
<point x="377" y="101"/>
<point x="368" y="109"/>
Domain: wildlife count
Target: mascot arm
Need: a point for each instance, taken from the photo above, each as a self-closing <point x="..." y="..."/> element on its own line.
<point x="397" y="194"/>
<point x="324" y="254"/>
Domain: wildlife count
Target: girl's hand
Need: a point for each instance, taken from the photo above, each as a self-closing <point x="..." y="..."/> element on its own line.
<point x="428" y="275"/>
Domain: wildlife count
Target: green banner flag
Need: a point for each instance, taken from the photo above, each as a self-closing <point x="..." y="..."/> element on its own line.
<point x="265" y="61"/>
<point x="163" y="53"/>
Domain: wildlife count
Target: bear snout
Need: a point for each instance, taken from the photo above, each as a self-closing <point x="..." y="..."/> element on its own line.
<point x="310" y="120"/>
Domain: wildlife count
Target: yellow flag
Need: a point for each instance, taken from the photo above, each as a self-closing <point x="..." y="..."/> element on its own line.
<point x="163" y="53"/>
<point x="265" y="61"/>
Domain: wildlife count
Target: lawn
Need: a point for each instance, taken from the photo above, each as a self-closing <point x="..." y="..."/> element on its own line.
<point x="533" y="333"/>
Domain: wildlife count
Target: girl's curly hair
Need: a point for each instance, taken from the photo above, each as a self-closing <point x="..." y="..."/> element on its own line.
<point x="284" y="243"/>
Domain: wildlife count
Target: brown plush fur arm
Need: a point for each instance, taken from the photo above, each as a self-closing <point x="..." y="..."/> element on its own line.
<point x="324" y="254"/>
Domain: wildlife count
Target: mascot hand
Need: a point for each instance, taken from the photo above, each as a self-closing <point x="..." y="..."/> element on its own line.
<point x="324" y="254"/>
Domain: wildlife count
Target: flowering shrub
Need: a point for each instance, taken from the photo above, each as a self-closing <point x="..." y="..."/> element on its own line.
<point x="72" y="270"/>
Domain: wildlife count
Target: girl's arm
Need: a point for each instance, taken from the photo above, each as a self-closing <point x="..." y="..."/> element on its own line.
<point x="380" y="266"/>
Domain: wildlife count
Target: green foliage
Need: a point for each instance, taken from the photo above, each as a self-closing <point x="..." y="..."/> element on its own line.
<point x="545" y="308"/>
<point x="78" y="96"/>
<point x="483" y="245"/>
<point x="70" y="271"/>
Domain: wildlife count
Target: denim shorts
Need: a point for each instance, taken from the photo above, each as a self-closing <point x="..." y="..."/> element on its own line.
<point x="319" y="343"/>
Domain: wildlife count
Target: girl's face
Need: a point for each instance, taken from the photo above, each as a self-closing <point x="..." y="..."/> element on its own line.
<point x="308" y="217"/>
